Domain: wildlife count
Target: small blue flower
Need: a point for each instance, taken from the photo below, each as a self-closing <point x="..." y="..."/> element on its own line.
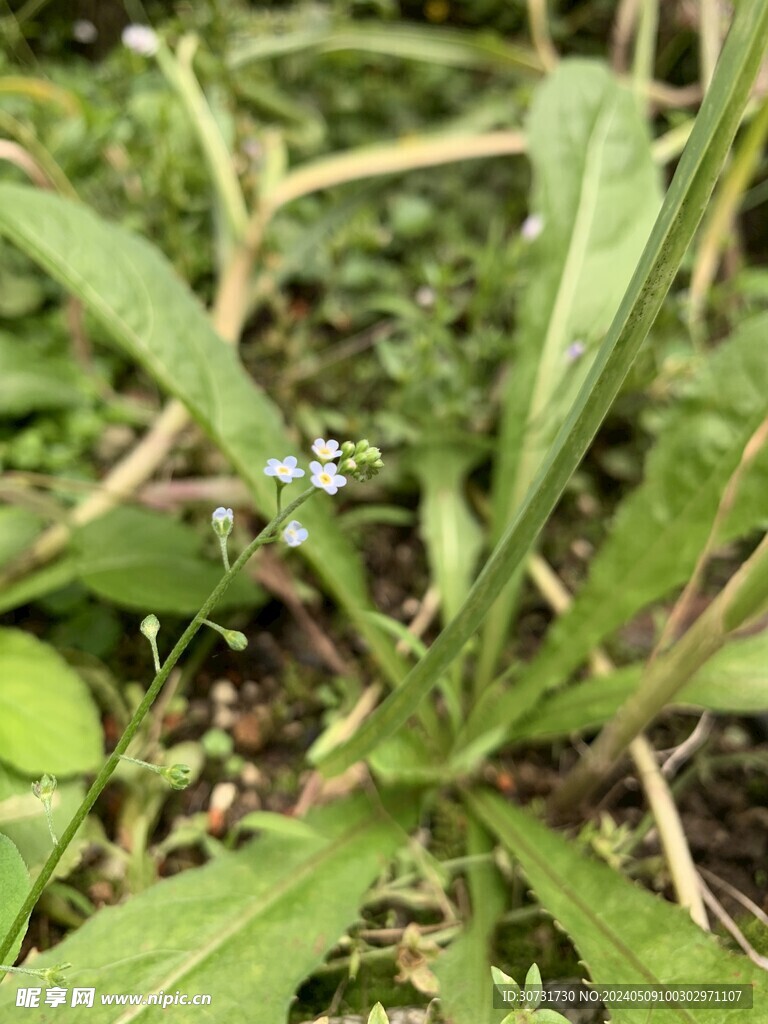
<point x="326" y="477"/>
<point x="285" y="471"/>
<point x="326" y="451"/>
<point x="294" y="534"/>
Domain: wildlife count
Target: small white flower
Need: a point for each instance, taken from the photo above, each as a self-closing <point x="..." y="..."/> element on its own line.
<point x="532" y="227"/>
<point x="326" y="477"/>
<point x="285" y="471"/>
<point x="84" y="31"/>
<point x="325" y="450"/>
<point x="141" y="39"/>
<point x="294" y="534"/>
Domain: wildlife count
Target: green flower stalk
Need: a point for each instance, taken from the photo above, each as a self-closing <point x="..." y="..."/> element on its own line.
<point x="51" y="977"/>
<point x="176" y="775"/>
<point x="235" y="640"/>
<point x="44" y="789"/>
<point x="222" y="521"/>
<point x="150" y="627"/>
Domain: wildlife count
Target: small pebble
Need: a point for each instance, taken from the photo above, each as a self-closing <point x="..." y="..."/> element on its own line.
<point x="224" y="718"/>
<point x="223" y="692"/>
<point x="250" y="775"/>
<point x="222" y="796"/>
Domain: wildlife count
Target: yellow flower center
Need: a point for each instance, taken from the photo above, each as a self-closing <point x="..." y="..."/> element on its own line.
<point x="326" y="478"/>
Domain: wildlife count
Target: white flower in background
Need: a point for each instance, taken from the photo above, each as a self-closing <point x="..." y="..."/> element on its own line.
<point x="84" y="31"/>
<point x="141" y="39"/>
<point x="325" y="450"/>
<point x="532" y="227"/>
<point x="326" y="477"/>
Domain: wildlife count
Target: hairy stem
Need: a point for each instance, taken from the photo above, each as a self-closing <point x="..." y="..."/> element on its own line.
<point x="266" y="535"/>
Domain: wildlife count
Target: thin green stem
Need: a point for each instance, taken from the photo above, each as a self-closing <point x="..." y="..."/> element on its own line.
<point x="267" y="534"/>
<point x="225" y="553"/>
<point x="158" y="769"/>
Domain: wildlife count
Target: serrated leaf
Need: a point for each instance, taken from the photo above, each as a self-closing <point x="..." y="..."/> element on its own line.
<point x="148" y="562"/>
<point x="625" y="934"/>
<point x="734" y="680"/>
<point x="14" y="885"/>
<point x="246" y="929"/>
<point x="48" y="722"/>
<point x="662" y="527"/>
<point x="597" y="191"/>
<point x="132" y="290"/>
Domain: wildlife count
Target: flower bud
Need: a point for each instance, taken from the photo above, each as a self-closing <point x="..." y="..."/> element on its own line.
<point x="53" y="977"/>
<point x="348" y="449"/>
<point x="44" y="789"/>
<point x="177" y="775"/>
<point x="234" y="640"/>
<point x="150" y="627"/>
<point x="221" y="521"/>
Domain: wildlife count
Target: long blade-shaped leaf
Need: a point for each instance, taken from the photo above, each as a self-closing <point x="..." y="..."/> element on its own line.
<point x="132" y="290"/>
<point x="246" y="929"/>
<point x="597" y="191"/>
<point x="734" y="680"/>
<point x="624" y="934"/>
<point x="688" y="194"/>
<point x="660" y="530"/>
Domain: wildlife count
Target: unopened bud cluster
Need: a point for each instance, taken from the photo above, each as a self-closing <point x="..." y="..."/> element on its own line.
<point x="360" y="460"/>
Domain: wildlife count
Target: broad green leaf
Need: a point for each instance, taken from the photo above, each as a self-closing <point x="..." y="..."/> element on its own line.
<point x="133" y="291"/>
<point x="148" y="562"/>
<point x="451" y="533"/>
<point x="689" y="192"/>
<point x="463" y="970"/>
<point x="39" y="583"/>
<point x="14" y="885"/>
<point x="624" y="934"/>
<point x="17" y="528"/>
<point x="734" y="680"/>
<point x="22" y="819"/>
<point x="660" y="530"/>
<point x="246" y="929"/>
<point x="48" y="722"/>
<point x="279" y="824"/>
<point x="32" y="379"/>
<point x="408" y="759"/>
<point x="596" y="189"/>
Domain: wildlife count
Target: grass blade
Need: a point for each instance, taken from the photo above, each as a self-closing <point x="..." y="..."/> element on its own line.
<point x="681" y="212"/>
